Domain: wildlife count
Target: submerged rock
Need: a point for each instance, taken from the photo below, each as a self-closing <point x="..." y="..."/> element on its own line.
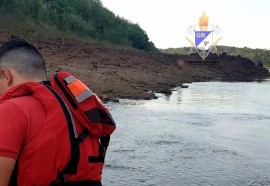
<point x="184" y="86"/>
<point x="167" y="91"/>
<point x="106" y="99"/>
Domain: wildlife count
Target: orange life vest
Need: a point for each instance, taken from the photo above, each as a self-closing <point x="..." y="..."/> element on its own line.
<point x="71" y="146"/>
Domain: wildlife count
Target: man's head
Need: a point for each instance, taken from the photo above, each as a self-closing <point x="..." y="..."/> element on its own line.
<point x="20" y="62"/>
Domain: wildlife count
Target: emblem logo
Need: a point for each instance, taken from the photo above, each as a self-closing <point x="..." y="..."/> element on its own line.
<point x="204" y="35"/>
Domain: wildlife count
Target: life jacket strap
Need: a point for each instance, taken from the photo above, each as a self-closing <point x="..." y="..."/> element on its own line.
<point x="83" y="135"/>
<point x="72" y="165"/>
<point x="62" y="178"/>
<point x="104" y="143"/>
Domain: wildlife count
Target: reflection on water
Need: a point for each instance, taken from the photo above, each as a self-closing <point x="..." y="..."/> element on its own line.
<point x="210" y="134"/>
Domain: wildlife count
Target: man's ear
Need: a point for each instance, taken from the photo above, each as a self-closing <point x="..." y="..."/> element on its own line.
<point x="6" y="75"/>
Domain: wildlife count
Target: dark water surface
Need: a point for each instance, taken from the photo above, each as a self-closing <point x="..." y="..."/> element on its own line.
<point x="213" y="133"/>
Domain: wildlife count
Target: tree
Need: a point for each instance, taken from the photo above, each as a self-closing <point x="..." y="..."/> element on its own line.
<point x="85" y="18"/>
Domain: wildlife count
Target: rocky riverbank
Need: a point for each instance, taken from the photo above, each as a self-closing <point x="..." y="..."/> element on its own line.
<point x="117" y="73"/>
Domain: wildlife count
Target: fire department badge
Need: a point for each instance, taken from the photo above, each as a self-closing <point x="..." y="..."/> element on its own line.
<point x="204" y="37"/>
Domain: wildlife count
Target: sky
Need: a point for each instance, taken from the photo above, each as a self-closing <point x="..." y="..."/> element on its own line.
<point x="244" y="23"/>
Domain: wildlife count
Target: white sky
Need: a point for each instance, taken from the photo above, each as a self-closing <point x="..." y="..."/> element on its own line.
<point x="243" y="22"/>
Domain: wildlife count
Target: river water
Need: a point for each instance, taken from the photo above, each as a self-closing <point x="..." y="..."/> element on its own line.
<point x="212" y="133"/>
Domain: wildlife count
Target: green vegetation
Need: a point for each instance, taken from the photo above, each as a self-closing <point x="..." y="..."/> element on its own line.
<point x="85" y="18"/>
<point x="183" y="50"/>
<point x="255" y="55"/>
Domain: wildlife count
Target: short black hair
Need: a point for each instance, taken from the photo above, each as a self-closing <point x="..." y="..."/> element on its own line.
<point x="24" y="58"/>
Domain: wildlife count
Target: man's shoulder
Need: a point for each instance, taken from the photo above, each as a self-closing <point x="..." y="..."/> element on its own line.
<point x="23" y="103"/>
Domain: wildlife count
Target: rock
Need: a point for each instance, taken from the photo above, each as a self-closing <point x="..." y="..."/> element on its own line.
<point x="149" y="96"/>
<point x="167" y="91"/>
<point x="173" y="85"/>
<point x="259" y="63"/>
<point x="115" y="100"/>
<point x="184" y="86"/>
<point x="104" y="98"/>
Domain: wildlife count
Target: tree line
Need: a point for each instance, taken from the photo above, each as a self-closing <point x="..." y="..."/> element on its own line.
<point x="83" y="17"/>
<point x="256" y="55"/>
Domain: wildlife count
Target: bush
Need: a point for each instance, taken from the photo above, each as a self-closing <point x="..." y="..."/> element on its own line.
<point x="83" y="17"/>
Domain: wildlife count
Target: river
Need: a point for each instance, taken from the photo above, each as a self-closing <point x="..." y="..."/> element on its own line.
<point x="213" y="133"/>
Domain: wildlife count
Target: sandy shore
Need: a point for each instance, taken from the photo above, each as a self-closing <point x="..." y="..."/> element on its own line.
<point x="117" y="73"/>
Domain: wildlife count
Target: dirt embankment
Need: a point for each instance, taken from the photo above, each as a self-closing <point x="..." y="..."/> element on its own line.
<point x="117" y="73"/>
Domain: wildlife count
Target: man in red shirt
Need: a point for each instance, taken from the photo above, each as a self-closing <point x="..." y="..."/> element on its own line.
<point x="19" y="62"/>
<point x="36" y="125"/>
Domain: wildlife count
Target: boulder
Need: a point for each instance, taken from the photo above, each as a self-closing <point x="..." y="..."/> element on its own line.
<point x="184" y="86"/>
<point x="167" y="91"/>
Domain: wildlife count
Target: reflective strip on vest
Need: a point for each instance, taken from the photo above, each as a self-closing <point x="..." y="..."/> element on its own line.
<point x="72" y="120"/>
<point x="79" y="90"/>
<point x="87" y="94"/>
<point x="70" y="79"/>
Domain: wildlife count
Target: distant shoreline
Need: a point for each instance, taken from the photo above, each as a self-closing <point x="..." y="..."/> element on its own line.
<point x="117" y="73"/>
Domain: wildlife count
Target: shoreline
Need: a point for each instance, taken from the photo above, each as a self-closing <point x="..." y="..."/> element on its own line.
<point x="114" y="73"/>
<point x="152" y="94"/>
